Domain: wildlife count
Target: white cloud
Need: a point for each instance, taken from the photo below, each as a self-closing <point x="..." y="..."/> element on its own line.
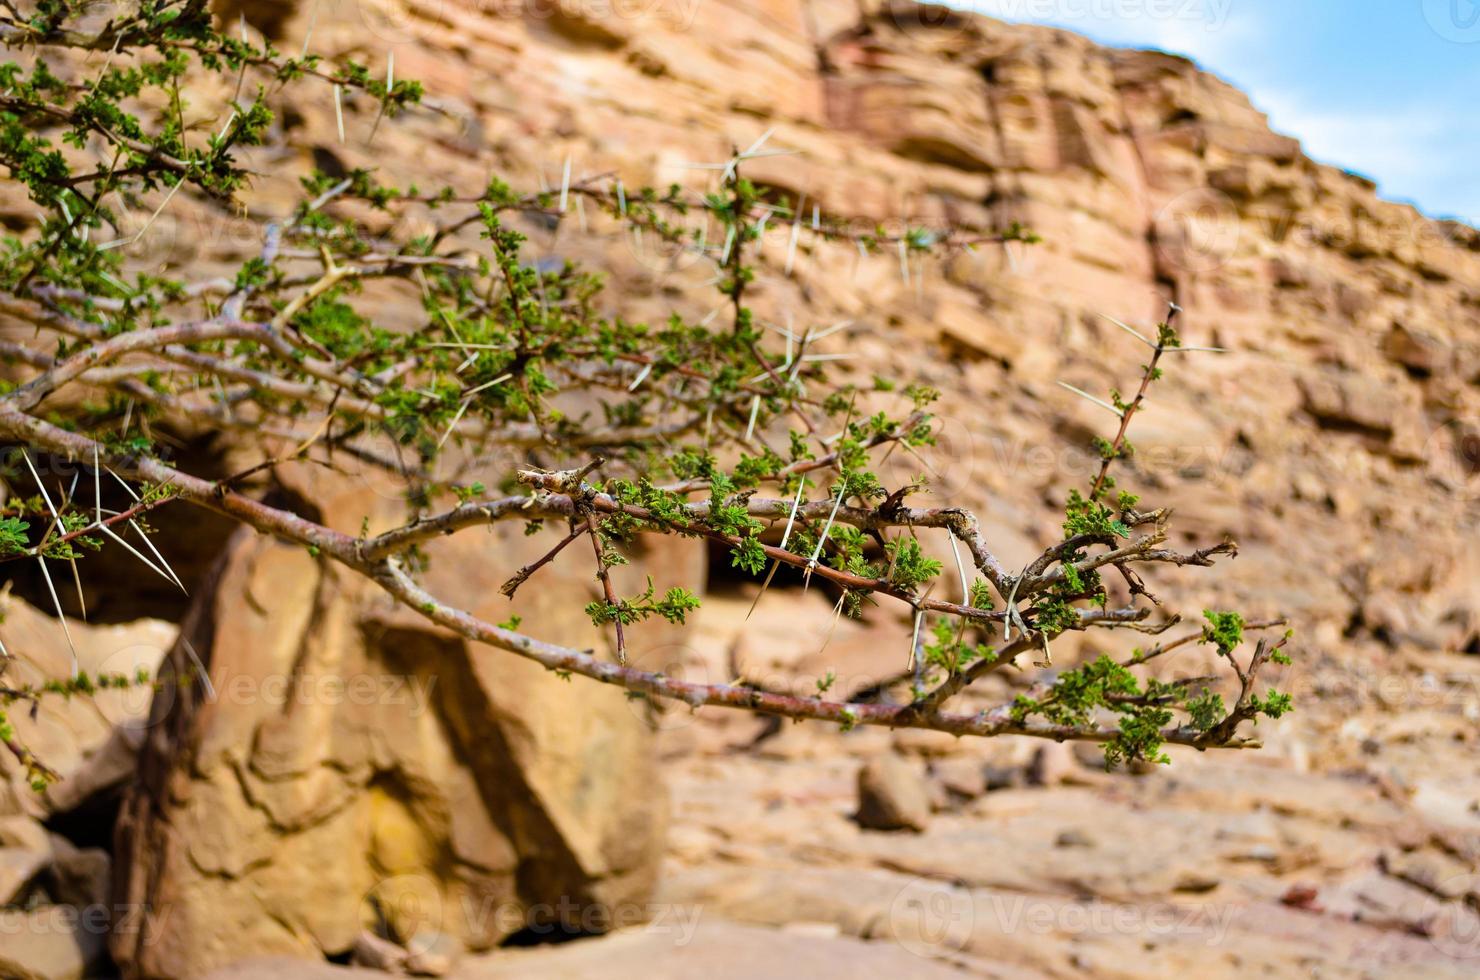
<point x="1205" y="30"/>
<point x="1414" y="152"/>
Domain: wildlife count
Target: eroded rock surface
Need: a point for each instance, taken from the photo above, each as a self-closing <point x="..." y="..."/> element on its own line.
<point x="355" y="769"/>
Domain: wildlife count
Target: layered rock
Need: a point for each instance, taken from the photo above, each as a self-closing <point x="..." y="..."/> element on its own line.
<point x="55" y="911"/>
<point x="1339" y="442"/>
<point x="1346" y="409"/>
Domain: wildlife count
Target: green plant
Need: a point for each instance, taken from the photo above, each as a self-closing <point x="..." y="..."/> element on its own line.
<point x="698" y="429"/>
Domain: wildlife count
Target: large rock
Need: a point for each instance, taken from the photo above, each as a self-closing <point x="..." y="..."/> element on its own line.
<point x="52" y="943"/>
<point x="892" y="795"/>
<point x="74" y="736"/>
<point x="18" y="868"/>
<point x="349" y="767"/>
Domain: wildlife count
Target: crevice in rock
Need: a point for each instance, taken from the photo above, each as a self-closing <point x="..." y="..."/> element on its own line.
<point x="552" y="935"/>
<point x="1162" y="275"/>
<point x="141" y="832"/>
<point x="940" y="152"/>
<point x="90" y="823"/>
<point x="549" y="867"/>
<point x="1348" y="426"/>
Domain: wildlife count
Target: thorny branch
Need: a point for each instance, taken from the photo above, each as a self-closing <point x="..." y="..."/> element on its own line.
<point x="671" y="429"/>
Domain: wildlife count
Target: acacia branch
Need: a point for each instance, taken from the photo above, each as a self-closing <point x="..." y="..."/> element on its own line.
<point x="392" y="577"/>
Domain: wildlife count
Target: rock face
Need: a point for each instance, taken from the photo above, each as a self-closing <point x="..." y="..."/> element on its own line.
<point x="349" y="768"/>
<point x="90" y="741"/>
<point x="1347" y="408"/>
<point x="51" y="943"/>
<point x="55" y="914"/>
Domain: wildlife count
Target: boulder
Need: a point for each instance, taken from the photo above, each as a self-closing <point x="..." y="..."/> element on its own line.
<point x="81" y="878"/>
<point x="343" y="766"/>
<point x="892" y="795"/>
<point x="54" y="942"/>
<point x="74" y="736"/>
<point x="18" y="868"/>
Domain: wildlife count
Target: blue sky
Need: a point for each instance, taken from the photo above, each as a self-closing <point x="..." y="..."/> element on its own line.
<point x="1388" y="88"/>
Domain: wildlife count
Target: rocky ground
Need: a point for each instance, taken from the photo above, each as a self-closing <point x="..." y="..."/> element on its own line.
<point x="1337" y="443"/>
<point x="1345" y="848"/>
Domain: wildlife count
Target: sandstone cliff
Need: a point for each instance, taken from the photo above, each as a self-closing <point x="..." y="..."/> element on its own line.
<point x="1347" y="410"/>
<point x="1338" y="442"/>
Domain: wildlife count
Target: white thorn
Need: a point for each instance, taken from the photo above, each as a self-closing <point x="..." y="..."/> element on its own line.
<point x="488" y="384"/>
<point x="960" y="570"/>
<point x="312" y="20"/>
<point x="759" y="142"/>
<point x="1130" y="330"/>
<point x="791" y="247"/>
<point x="456" y="418"/>
<point x="155" y="551"/>
<point x="124" y="484"/>
<point x="827" y="528"/>
<point x="796" y="505"/>
<point x="840" y="325"/>
<point x="61" y="617"/>
<point x="641" y="376"/>
<point x="205" y="678"/>
<point x="915" y="637"/>
<point x="1098" y="401"/>
<point x="37" y="477"/>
